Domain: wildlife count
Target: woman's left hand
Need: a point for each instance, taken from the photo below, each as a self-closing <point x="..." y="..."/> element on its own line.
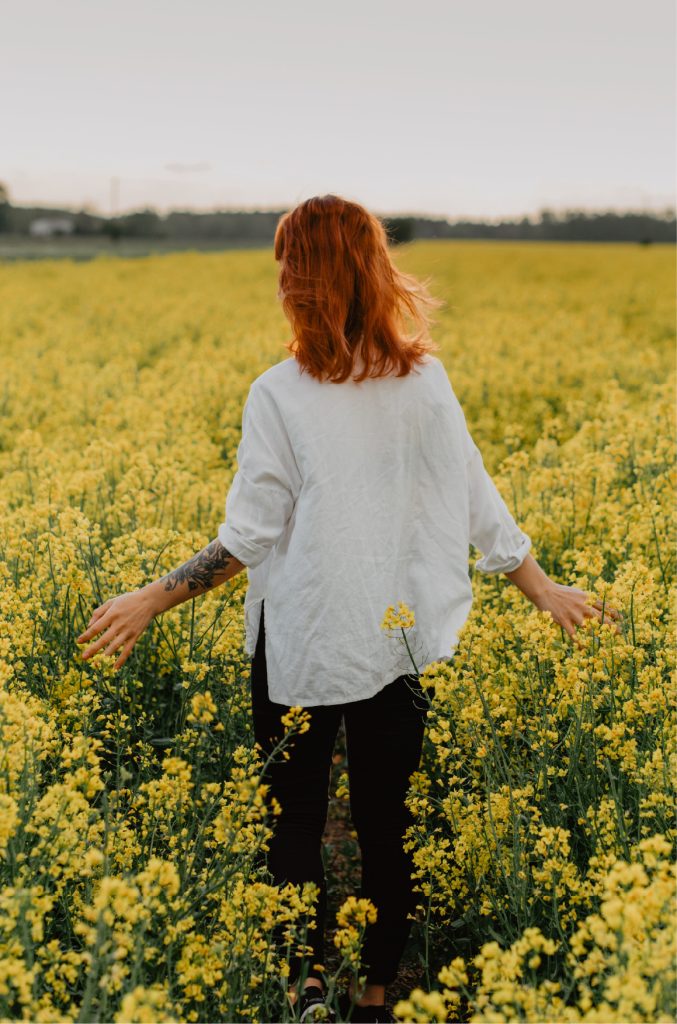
<point x="124" y="618"/>
<point x="569" y="608"/>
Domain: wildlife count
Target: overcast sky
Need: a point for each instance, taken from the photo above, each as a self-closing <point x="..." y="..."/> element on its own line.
<point x="477" y="108"/>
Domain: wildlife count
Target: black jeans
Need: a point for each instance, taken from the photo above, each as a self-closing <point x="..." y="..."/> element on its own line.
<point x="384" y="736"/>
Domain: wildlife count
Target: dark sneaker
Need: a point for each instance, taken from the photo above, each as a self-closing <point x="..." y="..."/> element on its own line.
<point x="311" y="1006"/>
<point x="372" y="1013"/>
<point x="375" y="1013"/>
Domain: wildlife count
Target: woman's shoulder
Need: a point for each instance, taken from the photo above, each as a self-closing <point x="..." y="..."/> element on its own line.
<point x="434" y="372"/>
<point x="276" y="378"/>
<point x="436" y="362"/>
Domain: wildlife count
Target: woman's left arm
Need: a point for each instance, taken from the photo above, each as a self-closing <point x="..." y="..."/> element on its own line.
<point x="125" y="617"/>
<point x="569" y="606"/>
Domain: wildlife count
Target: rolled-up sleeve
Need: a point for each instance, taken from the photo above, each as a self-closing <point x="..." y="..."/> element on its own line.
<point x="266" y="484"/>
<point x="493" y="530"/>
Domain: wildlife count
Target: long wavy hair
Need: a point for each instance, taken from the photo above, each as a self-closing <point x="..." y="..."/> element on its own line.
<point x="343" y="295"/>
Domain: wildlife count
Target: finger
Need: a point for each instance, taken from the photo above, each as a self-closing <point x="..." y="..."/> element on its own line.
<point x="617" y="622"/>
<point x="573" y="633"/>
<point x="116" y="642"/>
<point x="125" y="653"/>
<point x="610" y="616"/>
<point x="603" y="618"/>
<point x="94" y="628"/>
<point x="609" y="611"/>
<point x="101" y="642"/>
<point x="99" y="611"/>
<point x="597" y="613"/>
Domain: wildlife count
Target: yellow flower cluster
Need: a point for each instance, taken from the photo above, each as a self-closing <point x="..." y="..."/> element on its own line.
<point x="203" y="708"/>
<point x="623" y="959"/>
<point x="297" y="719"/>
<point x="402" y="618"/>
<point x="352" y="918"/>
<point x="134" y="816"/>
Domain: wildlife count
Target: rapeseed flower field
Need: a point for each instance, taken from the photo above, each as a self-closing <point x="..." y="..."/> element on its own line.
<point x="131" y="813"/>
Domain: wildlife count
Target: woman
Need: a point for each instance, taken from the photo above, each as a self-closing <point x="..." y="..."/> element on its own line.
<point x="358" y="486"/>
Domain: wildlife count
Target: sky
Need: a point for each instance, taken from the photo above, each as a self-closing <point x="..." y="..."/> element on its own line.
<point x="451" y="108"/>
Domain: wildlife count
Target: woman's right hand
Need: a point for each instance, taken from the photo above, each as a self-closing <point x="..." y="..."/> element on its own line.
<point x="569" y="607"/>
<point x="123" y="618"/>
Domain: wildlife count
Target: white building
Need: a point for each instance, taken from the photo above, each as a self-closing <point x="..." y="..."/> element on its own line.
<point x="43" y="227"/>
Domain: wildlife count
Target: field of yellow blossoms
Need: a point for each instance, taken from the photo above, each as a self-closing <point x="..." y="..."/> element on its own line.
<point x="131" y="815"/>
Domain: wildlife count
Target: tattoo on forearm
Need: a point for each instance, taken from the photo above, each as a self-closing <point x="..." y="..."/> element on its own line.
<point x="199" y="570"/>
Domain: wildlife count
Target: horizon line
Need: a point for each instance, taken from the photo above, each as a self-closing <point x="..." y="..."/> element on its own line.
<point x="93" y="210"/>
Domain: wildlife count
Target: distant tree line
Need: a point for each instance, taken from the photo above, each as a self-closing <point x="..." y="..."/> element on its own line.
<point x="259" y="226"/>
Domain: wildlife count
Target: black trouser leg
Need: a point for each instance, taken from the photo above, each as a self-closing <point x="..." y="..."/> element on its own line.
<point x="301" y="785"/>
<point x="384" y="736"/>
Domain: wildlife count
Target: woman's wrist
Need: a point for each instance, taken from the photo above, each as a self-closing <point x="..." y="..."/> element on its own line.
<point x="156" y="597"/>
<point x="542" y="594"/>
<point x="533" y="582"/>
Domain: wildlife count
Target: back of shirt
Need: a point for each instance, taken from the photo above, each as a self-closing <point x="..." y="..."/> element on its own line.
<point x="349" y="498"/>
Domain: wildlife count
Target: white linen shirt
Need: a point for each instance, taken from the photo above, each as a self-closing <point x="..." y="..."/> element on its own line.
<point x="349" y="497"/>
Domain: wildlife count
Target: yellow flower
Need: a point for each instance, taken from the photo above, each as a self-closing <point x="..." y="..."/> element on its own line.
<point x="297" y="719"/>
<point x="403" y="618"/>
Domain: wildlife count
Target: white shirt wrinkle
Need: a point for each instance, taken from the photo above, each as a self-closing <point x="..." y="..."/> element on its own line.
<point x="348" y="498"/>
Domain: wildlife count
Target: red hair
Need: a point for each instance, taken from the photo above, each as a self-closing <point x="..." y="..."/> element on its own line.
<point x="344" y="296"/>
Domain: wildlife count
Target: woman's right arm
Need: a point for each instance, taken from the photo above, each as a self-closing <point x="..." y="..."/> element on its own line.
<point x="506" y="547"/>
<point x="506" y="550"/>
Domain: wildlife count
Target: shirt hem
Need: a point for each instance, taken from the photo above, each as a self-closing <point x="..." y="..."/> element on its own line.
<point x="304" y="702"/>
